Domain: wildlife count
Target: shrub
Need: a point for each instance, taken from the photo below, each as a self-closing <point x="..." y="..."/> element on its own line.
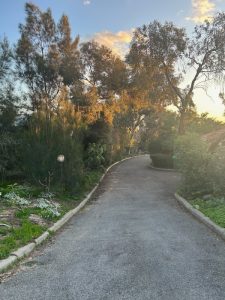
<point x="49" y="208"/>
<point x="162" y="160"/>
<point x="95" y="156"/>
<point x="40" y="150"/>
<point x="21" y="190"/>
<point x="8" y="155"/>
<point x="162" y="145"/>
<point x="192" y="158"/>
<point x="164" y="134"/>
<point x="14" y="199"/>
<point x="216" y="171"/>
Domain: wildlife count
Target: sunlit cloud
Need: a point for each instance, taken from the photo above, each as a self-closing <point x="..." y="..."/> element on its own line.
<point x="202" y="10"/>
<point x="118" y="42"/>
<point x="86" y="2"/>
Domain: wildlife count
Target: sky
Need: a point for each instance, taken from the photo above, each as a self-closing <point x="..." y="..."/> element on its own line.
<point x="111" y="23"/>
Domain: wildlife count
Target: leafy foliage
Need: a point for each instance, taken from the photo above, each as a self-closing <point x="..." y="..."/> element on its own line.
<point x="86" y="103"/>
<point x="162" y="160"/>
<point x="49" y="208"/>
<point x="95" y="156"/>
<point x="216" y="170"/>
<point x="203" y="171"/>
<point x="192" y="159"/>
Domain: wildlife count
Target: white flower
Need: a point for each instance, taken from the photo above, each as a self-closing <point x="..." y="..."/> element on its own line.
<point x="13" y="198"/>
<point x="49" y="206"/>
<point x="47" y="195"/>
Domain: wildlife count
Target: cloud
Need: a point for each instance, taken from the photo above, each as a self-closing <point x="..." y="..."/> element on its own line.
<point x="118" y="42"/>
<point x="202" y="10"/>
<point x="86" y="2"/>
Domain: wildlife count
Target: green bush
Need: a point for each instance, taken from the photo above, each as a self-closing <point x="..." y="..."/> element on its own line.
<point x="161" y="160"/>
<point x="203" y="171"/>
<point x="164" y="134"/>
<point x="39" y="152"/>
<point x="95" y="156"/>
<point x="20" y="190"/>
<point x="192" y="158"/>
<point x="162" y="145"/>
<point x="216" y="171"/>
<point x="8" y="156"/>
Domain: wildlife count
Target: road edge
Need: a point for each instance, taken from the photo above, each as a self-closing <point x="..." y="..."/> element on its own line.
<point x="200" y="216"/>
<point x="27" y="249"/>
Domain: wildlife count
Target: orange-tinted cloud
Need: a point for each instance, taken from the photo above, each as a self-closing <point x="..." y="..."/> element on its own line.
<point x="202" y="10"/>
<point x="118" y="42"/>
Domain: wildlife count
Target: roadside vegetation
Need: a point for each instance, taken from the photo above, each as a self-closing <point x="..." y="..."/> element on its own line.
<point x="70" y="109"/>
<point x="202" y="164"/>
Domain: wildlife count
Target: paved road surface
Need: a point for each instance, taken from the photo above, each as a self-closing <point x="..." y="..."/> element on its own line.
<point x="132" y="242"/>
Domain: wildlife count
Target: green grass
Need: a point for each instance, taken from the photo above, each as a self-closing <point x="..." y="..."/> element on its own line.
<point x="24" y="213"/>
<point x="89" y="181"/>
<point x="4" y="230"/>
<point x="214" y="209"/>
<point x="14" y="238"/>
<point x="19" y="237"/>
<point x="22" y="190"/>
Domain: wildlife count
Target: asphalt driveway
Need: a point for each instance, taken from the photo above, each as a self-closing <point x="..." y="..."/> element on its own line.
<point x="133" y="241"/>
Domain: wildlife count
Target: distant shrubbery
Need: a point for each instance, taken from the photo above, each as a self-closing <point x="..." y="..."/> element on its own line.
<point x="164" y="143"/>
<point x="95" y="156"/>
<point x="216" y="171"/>
<point x="203" y="171"/>
<point x="161" y="143"/>
<point x="161" y="160"/>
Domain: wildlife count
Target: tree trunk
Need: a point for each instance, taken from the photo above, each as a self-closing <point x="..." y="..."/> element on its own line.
<point x="181" y="128"/>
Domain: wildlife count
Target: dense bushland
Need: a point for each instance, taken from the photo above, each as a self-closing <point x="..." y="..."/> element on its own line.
<point x="60" y="97"/>
<point x="69" y="109"/>
<point x="81" y="101"/>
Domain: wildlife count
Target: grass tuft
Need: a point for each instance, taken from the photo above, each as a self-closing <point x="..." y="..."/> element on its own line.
<point x="214" y="209"/>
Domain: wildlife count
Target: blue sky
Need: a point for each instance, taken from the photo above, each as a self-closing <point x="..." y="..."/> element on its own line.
<point x="88" y="18"/>
<point x="111" y="22"/>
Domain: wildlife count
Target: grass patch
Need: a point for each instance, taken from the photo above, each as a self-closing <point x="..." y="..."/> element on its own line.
<point x="214" y="209"/>
<point x="4" y="230"/>
<point x="24" y="213"/>
<point x="22" y="190"/>
<point x="19" y="237"/>
<point x="90" y="179"/>
<point x="24" y="231"/>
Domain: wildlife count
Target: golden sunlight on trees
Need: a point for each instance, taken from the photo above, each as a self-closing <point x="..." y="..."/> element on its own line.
<point x="169" y="48"/>
<point x="81" y="99"/>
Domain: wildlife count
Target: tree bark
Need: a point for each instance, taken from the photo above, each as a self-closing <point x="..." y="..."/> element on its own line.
<point x="181" y="128"/>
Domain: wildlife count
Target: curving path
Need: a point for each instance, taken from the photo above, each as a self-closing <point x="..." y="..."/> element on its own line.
<point x="132" y="242"/>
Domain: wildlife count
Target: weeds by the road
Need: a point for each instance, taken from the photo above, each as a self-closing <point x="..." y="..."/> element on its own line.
<point x="212" y="208"/>
<point x="27" y="211"/>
